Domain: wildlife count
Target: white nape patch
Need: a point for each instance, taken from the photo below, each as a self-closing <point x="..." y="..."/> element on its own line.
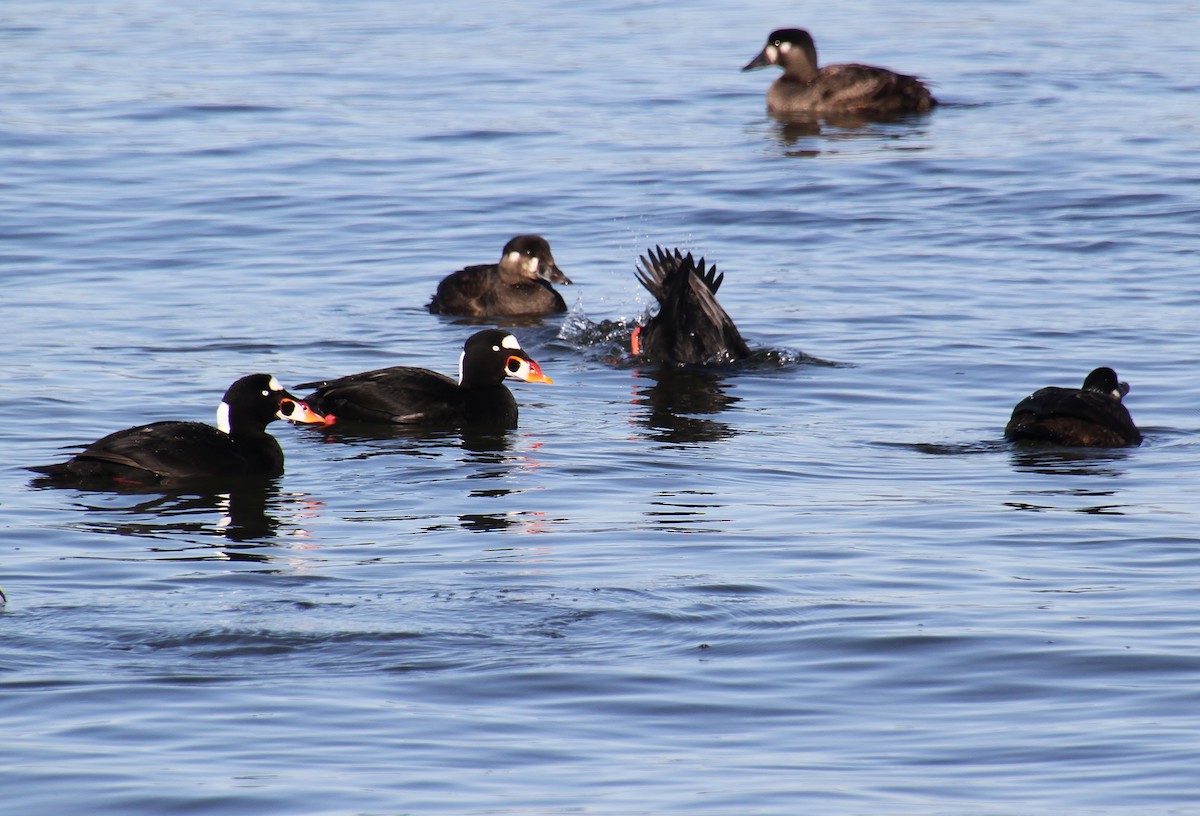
<point x="223" y="418"/>
<point x="510" y="342"/>
<point x="274" y="385"/>
<point x="513" y="257"/>
<point x="462" y="364"/>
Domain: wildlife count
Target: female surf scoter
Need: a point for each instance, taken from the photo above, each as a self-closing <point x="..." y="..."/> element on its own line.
<point x="1092" y="416"/>
<point x="690" y="326"/>
<point x="171" y="451"/>
<point x="518" y="285"/>
<point x="856" y="90"/>
<point x="404" y="395"/>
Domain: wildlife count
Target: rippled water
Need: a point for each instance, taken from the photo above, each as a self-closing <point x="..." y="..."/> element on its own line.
<point x="820" y="583"/>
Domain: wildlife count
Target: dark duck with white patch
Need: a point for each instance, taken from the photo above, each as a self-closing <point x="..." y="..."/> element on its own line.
<point x="850" y="89"/>
<point x="405" y="395"/>
<point x="518" y="285"/>
<point x="1092" y="416"/>
<point x="175" y="451"/>
<point x="690" y="327"/>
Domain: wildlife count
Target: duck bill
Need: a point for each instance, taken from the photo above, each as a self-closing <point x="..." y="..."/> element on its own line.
<point x="552" y="274"/>
<point x="764" y="58"/>
<point x="524" y="369"/>
<point x="1122" y="390"/>
<point x="294" y="410"/>
<point x="635" y="341"/>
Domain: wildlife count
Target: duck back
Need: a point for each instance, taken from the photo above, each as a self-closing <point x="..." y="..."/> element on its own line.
<point x="406" y="395"/>
<point x="479" y="291"/>
<point x="170" y="451"/>
<point x="851" y="89"/>
<point x="1072" y="417"/>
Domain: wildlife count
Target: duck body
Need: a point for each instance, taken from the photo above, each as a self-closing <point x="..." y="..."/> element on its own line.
<point x="518" y="285"/>
<point x="848" y="89"/>
<point x="1092" y="416"/>
<point x="174" y="451"/>
<point x="405" y="395"/>
<point x="690" y="327"/>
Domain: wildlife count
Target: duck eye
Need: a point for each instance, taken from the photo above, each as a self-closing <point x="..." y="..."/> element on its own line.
<point x="266" y="393"/>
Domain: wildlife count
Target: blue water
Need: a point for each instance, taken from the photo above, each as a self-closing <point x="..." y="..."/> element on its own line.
<point x="821" y="584"/>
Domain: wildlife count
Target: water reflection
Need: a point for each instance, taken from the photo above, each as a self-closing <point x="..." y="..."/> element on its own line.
<point x="484" y="459"/>
<point x="686" y="511"/>
<point x="1070" y="461"/>
<point x="1066" y="493"/>
<point x="490" y="458"/>
<point x="243" y="512"/>
<point x="675" y="396"/>
<point x="814" y="133"/>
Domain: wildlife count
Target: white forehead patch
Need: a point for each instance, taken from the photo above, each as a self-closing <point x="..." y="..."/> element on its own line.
<point x="274" y="385"/>
<point x="223" y="418"/>
<point x="510" y="342"/>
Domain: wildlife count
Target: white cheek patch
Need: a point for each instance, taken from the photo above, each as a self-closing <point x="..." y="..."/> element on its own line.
<point x="510" y="342"/>
<point x="513" y="257"/>
<point x="223" y="418"/>
<point x="274" y="385"/>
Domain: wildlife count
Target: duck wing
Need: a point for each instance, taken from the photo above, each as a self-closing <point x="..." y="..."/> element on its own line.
<point x="399" y="394"/>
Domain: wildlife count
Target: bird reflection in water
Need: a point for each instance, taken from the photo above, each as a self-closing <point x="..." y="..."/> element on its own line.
<point x="493" y="461"/>
<point x="244" y="513"/>
<point x="1097" y="499"/>
<point x="674" y="398"/>
<point x="1070" y="461"/>
<point x="807" y="135"/>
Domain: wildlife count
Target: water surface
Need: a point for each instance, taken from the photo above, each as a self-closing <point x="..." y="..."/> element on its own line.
<point x="823" y="583"/>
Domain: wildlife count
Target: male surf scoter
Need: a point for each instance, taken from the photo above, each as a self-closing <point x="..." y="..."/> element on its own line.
<point x="690" y="326"/>
<point x="172" y="451"/>
<point x="855" y="90"/>
<point x="518" y="285"/>
<point x="405" y="395"/>
<point x="1092" y="416"/>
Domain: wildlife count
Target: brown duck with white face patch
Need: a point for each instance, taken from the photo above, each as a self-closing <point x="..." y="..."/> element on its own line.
<point x="1089" y="417"/>
<point x="405" y="395"/>
<point x="849" y="90"/>
<point x="171" y="452"/>
<point x="518" y="285"/>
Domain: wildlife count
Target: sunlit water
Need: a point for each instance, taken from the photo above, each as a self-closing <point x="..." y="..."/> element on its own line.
<point x="820" y="583"/>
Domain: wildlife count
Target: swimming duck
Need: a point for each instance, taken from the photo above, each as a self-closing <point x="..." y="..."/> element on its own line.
<point x="171" y="451"/>
<point x="1092" y="416"/>
<point x="690" y="326"/>
<point x="518" y="285"/>
<point x="858" y="90"/>
<point x="405" y="395"/>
